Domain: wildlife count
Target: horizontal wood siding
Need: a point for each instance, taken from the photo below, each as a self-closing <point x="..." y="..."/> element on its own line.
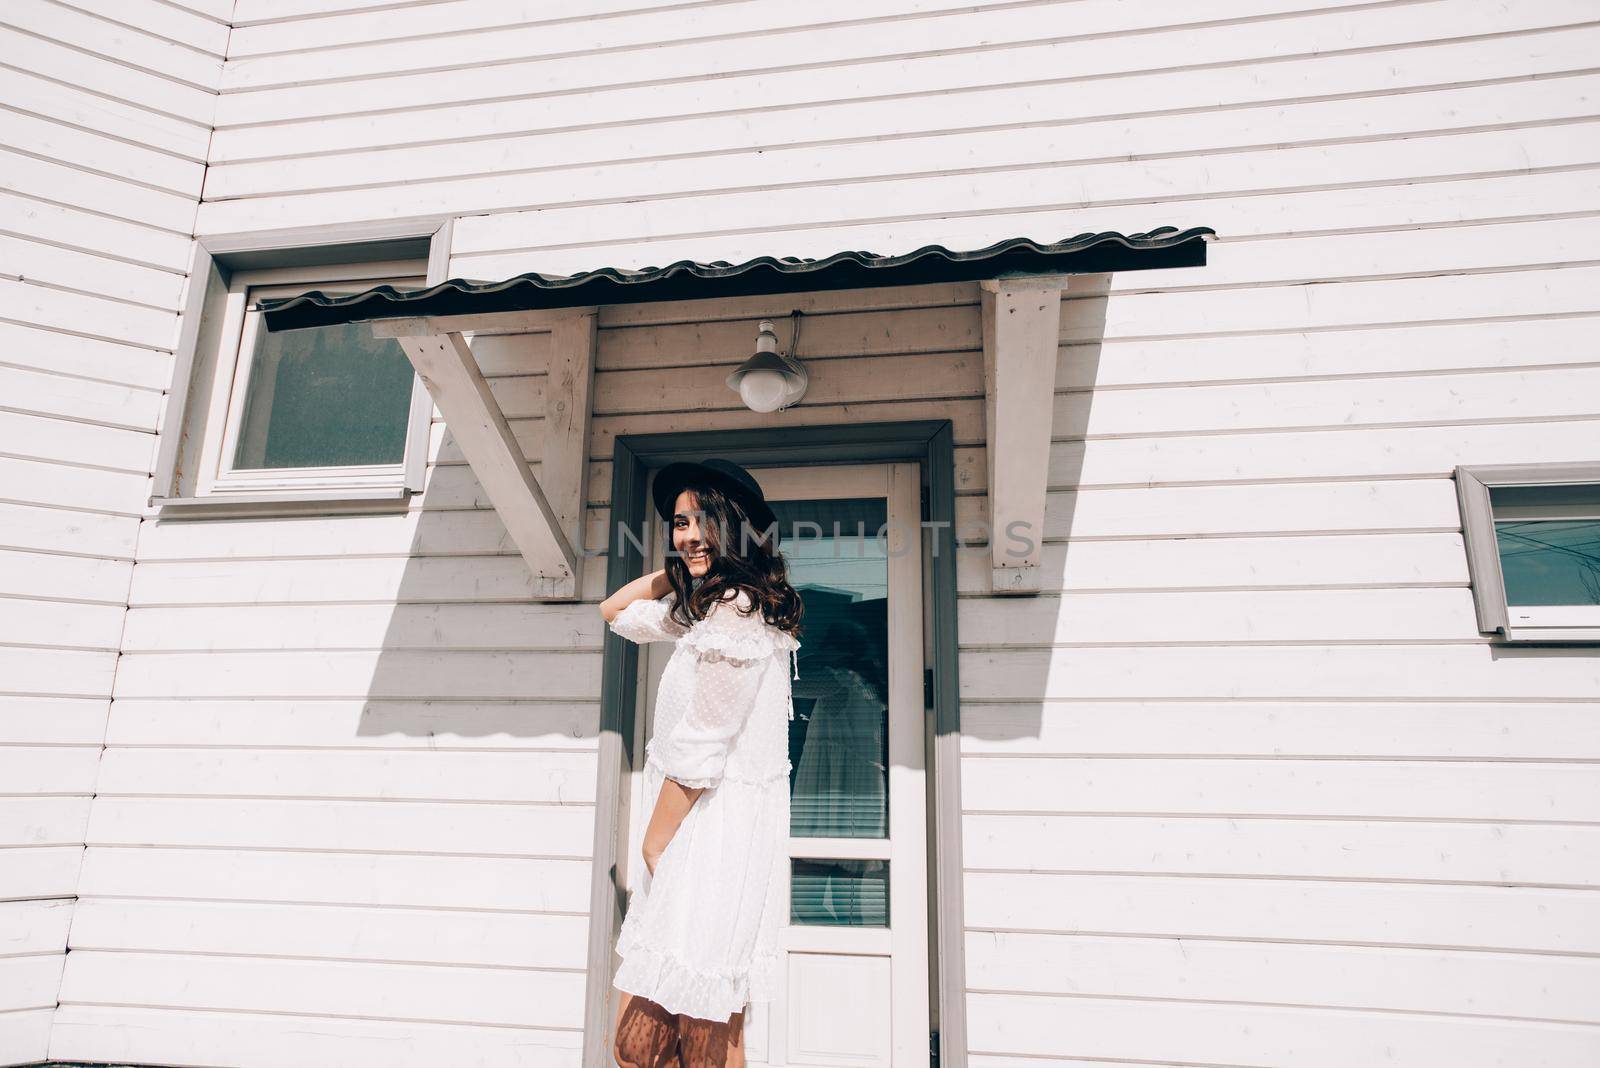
<point x="1244" y="786"/>
<point x="103" y="141"/>
<point x="351" y="770"/>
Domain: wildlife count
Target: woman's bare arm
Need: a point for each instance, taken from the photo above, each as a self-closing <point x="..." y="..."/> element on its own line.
<point x="672" y="806"/>
<point x="653" y="585"/>
<point x="675" y="799"/>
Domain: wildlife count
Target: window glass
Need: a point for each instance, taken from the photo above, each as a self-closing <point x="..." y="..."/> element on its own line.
<point x="330" y="396"/>
<point x="839" y="893"/>
<point x="1548" y="538"/>
<point x="1554" y="561"/>
<point x="839" y="737"/>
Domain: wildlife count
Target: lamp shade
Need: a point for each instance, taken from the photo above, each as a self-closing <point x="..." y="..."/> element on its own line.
<point x="768" y="381"/>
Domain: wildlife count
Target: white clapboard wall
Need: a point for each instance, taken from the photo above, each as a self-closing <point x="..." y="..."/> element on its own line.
<point x="1245" y="787"/>
<point x="104" y="128"/>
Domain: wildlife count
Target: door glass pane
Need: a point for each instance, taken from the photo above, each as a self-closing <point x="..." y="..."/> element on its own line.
<point x="328" y="396"/>
<point x="839" y="738"/>
<point x="839" y="893"/>
<point x="1550" y="561"/>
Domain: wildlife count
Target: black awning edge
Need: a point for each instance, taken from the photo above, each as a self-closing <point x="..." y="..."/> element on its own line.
<point x="1088" y="253"/>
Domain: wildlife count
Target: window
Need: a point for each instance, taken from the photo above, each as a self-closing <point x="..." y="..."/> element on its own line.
<point x="315" y="410"/>
<point x="312" y="421"/>
<point x="1533" y="548"/>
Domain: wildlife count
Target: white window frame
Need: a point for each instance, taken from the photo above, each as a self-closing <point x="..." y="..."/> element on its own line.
<point x="189" y="446"/>
<point x="1520" y="623"/>
<point x="241" y="323"/>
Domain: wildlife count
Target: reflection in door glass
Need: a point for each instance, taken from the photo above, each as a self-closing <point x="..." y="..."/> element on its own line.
<point x="838" y="740"/>
<point x="839" y="893"/>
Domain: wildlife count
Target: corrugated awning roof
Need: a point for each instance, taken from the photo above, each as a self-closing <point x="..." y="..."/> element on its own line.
<point x="686" y="280"/>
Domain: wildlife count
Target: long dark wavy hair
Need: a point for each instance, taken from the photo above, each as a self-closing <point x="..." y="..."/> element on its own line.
<point x="750" y="562"/>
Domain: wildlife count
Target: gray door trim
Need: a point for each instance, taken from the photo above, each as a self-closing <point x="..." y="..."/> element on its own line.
<point x="929" y="442"/>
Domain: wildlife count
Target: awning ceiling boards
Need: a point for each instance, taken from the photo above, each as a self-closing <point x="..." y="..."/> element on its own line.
<point x="686" y="280"/>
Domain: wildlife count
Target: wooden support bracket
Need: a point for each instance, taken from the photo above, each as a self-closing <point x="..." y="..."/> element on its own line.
<point x="1021" y="332"/>
<point x="456" y="384"/>
<point x="564" y="462"/>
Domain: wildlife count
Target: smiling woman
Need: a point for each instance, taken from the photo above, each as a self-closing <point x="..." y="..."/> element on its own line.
<point x="699" y="939"/>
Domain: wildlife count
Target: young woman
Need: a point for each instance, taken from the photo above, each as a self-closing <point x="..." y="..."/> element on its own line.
<point x="700" y="937"/>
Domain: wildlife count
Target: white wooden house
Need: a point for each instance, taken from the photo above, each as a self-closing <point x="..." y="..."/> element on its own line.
<point x="1280" y="747"/>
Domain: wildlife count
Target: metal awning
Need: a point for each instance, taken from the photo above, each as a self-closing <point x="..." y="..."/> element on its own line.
<point x="687" y="280"/>
<point x="1020" y="283"/>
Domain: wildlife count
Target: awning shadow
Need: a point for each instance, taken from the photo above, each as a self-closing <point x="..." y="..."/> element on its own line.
<point x="1008" y="671"/>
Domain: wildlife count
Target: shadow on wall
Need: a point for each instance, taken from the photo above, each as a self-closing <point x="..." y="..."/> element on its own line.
<point x="1004" y="689"/>
<point x="470" y="664"/>
<point x="470" y="658"/>
<point x="490" y="702"/>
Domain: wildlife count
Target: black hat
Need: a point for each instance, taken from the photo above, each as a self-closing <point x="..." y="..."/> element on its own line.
<point x="726" y="475"/>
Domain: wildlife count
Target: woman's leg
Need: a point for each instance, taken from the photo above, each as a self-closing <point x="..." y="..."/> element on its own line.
<point x="647" y="1034"/>
<point x="707" y="1044"/>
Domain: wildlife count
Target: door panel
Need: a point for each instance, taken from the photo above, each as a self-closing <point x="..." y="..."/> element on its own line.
<point x="856" y="944"/>
<point x="838" y="1008"/>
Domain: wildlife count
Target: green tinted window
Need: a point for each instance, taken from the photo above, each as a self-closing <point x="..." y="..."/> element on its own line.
<point x="1550" y="561"/>
<point x="839" y="738"/>
<point x="329" y="396"/>
<point x="839" y="893"/>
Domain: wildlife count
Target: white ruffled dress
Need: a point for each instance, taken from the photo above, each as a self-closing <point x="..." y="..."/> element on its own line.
<point x="700" y="937"/>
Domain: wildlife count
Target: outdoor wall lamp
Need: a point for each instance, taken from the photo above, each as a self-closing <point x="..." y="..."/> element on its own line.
<point x="770" y="381"/>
